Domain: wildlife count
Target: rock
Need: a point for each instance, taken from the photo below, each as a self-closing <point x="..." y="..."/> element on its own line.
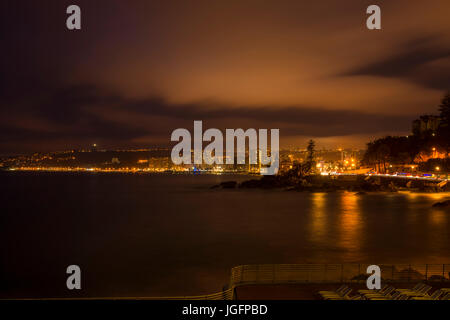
<point x="253" y="183"/>
<point x="266" y="182"/>
<point x="304" y="183"/>
<point x="228" y="184"/>
<point x="391" y="187"/>
<point x="360" y="277"/>
<point x="409" y="274"/>
<point x="225" y="185"/>
<point x="443" y="204"/>
<point x="443" y="186"/>
<point x="367" y="186"/>
<point x="436" y="277"/>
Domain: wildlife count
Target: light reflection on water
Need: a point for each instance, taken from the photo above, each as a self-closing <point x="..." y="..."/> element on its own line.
<point x="318" y="217"/>
<point x="351" y="223"/>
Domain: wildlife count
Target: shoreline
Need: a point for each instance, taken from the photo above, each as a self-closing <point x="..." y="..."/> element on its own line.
<point x="360" y="184"/>
<point x="125" y="170"/>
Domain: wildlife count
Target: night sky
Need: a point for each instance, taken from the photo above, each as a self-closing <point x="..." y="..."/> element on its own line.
<point x="137" y="70"/>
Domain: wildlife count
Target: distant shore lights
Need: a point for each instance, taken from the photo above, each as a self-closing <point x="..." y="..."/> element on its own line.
<point x="213" y="152"/>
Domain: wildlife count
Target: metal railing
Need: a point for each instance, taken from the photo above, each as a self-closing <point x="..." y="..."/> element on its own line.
<point x="224" y="295"/>
<point x="320" y="273"/>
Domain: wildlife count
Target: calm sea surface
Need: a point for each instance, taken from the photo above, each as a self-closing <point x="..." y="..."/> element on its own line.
<point x="158" y="235"/>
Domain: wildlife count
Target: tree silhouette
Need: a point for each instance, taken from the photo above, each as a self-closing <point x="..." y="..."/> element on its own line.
<point x="444" y="109"/>
<point x="444" y="126"/>
<point x="301" y="170"/>
<point x="392" y="150"/>
<point x="311" y="156"/>
<point x="405" y="149"/>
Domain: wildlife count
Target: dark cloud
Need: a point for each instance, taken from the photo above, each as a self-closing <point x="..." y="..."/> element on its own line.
<point x="414" y="60"/>
<point x="294" y="120"/>
<point x="85" y="114"/>
<point x="62" y="114"/>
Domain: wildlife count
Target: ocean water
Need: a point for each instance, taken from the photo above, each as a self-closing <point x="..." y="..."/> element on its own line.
<point x="163" y="235"/>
